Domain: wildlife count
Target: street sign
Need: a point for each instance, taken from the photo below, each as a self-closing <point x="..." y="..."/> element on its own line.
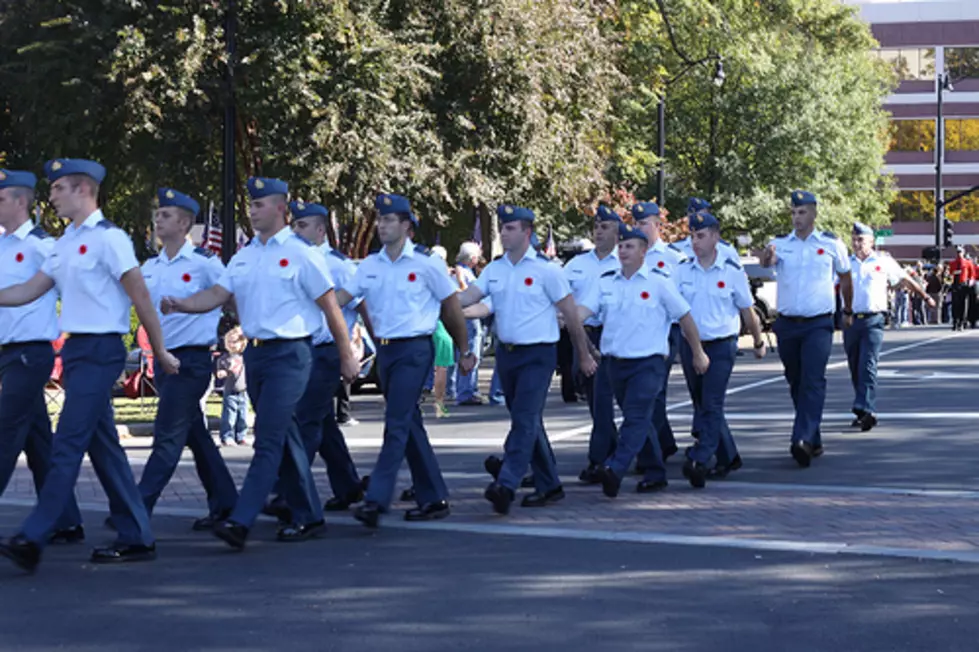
<point x="884" y="233"/>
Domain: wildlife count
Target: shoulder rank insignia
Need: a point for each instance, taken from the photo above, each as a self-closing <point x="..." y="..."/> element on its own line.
<point x="661" y="272"/>
<point x="610" y="272"/>
<point x="39" y="232"/>
<point x="674" y="247"/>
<point x="106" y="224"/>
<point x="303" y="240"/>
<point x="201" y="251"/>
<point x="422" y="249"/>
<point x="733" y="263"/>
<point x="830" y="235"/>
<point x="781" y="236"/>
<point x="339" y="254"/>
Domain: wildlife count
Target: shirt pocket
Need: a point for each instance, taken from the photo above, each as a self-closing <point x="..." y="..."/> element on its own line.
<point x="410" y="284"/>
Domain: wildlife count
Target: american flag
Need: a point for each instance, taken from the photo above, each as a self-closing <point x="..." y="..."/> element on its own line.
<point x="213" y="231"/>
<point x="478" y="229"/>
<point x="550" y="249"/>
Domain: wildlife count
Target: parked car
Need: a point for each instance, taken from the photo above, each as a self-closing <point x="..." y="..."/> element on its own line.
<point x="763" y="289"/>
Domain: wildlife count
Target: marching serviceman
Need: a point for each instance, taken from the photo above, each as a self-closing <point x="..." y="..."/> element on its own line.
<point x="663" y="257"/>
<point x="406" y="291"/>
<point x="873" y="272"/>
<point x="697" y="205"/>
<point x="282" y="290"/>
<point x="637" y="306"/>
<point x="26" y="352"/>
<point x="717" y="290"/>
<point x="582" y="270"/>
<point x="181" y="270"/>
<point x="526" y="287"/>
<point x="806" y="260"/>
<point x="95" y="269"/>
<point x="316" y="411"/>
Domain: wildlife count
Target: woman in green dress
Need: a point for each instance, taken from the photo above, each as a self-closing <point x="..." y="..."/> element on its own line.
<point x="444" y="358"/>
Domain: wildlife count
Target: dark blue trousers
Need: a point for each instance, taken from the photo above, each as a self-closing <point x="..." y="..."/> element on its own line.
<point x="24" y="423"/>
<point x="661" y="424"/>
<point x="598" y="389"/>
<point x="180" y="422"/>
<point x="316" y="414"/>
<point x="862" y="343"/>
<point x="636" y="381"/>
<point x="402" y="366"/>
<point x="707" y="392"/>
<point x="277" y="373"/>
<point x="92" y="364"/>
<point x="525" y="375"/>
<point x="804" y="347"/>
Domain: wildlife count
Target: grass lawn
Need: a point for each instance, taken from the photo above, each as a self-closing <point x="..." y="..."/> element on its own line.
<point x="130" y="410"/>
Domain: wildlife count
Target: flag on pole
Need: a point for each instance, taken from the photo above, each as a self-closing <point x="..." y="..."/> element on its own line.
<point x="215" y="232"/>
<point x="478" y="229"/>
<point x="550" y="249"/>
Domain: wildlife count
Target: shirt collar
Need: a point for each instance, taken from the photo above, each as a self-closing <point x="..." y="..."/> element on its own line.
<point x="279" y="238"/>
<point x="614" y="254"/>
<point x="91" y="221"/>
<point x="642" y="272"/>
<point x="22" y="231"/>
<point x="185" y="252"/>
<point x="407" y="251"/>
<point x="812" y="236"/>
<point x="715" y="265"/>
<point x="530" y="253"/>
<point x="325" y="248"/>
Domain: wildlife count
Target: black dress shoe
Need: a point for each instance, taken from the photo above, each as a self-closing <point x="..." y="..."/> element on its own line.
<point x="369" y="514"/>
<point x="119" y="553"/>
<point x="696" y="473"/>
<point x="722" y="470"/>
<point x="493" y="466"/>
<point x="207" y="523"/>
<point x="233" y="534"/>
<point x="337" y="504"/>
<point x="590" y="474"/>
<point x="297" y="532"/>
<point x="611" y="483"/>
<point x="802" y="453"/>
<point x="538" y="499"/>
<point x="26" y="554"/>
<point x="858" y="416"/>
<point x="867" y="421"/>
<point x="408" y="495"/>
<point x="278" y="508"/>
<point x="670" y="452"/>
<point x="527" y="482"/>
<point x="73" y="534"/>
<point x="500" y="496"/>
<point x="817" y="451"/>
<point x="428" y="512"/>
<point x="651" y="486"/>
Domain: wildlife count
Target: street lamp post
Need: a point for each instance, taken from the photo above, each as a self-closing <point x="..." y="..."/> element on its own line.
<point x="228" y="157"/>
<point x="944" y="84"/>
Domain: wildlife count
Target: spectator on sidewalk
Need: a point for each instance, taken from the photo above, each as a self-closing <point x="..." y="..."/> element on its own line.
<point x="933" y="286"/>
<point x="231" y="369"/>
<point x="464" y="273"/>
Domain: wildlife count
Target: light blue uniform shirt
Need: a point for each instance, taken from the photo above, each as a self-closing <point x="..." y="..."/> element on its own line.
<point x="23" y="252"/>
<point x="524" y="296"/>
<point x="87" y="264"/>
<point x="664" y="257"/>
<point x="636" y="312"/>
<point x="804" y="273"/>
<point x="404" y="296"/>
<point x="276" y="286"/>
<point x="871" y="278"/>
<point x="716" y="295"/>
<point x="189" y="272"/>
<point x="724" y="249"/>
<point x="342" y="270"/>
<point x="584" y="268"/>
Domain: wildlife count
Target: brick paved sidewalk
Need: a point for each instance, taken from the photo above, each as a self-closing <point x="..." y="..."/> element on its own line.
<point x="815" y="519"/>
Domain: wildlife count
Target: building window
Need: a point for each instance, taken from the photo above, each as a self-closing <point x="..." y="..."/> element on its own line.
<point x="965" y="209"/>
<point x="910" y="63"/>
<point x="913" y="135"/>
<point x="962" y="62"/>
<point x="913" y="206"/>
<point x="962" y="135"/>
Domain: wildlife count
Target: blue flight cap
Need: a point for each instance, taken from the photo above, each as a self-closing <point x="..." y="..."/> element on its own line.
<point x="703" y="220"/>
<point x="859" y="228"/>
<point x="605" y="214"/>
<point x="629" y="232"/>
<point x="62" y="167"/>
<point x="388" y="204"/>
<point x="302" y="209"/>
<point x="171" y="197"/>
<point x="259" y="187"/>
<point x="644" y="209"/>
<point x="511" y="213"/>
<point x="696" y="204"/>
<point x="17" y="179"/>
<point x="803" y="198"/>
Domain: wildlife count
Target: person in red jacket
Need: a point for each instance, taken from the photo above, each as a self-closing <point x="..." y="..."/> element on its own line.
<point x="963" y="276"/>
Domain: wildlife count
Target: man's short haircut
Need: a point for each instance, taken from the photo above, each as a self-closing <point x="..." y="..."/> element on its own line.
<point x="21" y="192"/>
<point x="83" y="180"/>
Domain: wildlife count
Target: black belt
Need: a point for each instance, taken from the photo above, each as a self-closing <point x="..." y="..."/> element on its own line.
<point x="800" y="320"/>
<point x="17" y="345"/>
<point x="593" y="329"/>
<point x="868" y="315"/>
<point x="394" y="340"/>
<point x="323" y="345"/>
<point x="82" y="336"/>
<point x="718" y="340"/>
<point x="513" y="347"/>
<point x="189" y="348"/>
<point x="277" y="340"/>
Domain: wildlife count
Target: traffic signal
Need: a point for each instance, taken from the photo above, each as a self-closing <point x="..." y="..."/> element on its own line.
<point x="948" y="232"/>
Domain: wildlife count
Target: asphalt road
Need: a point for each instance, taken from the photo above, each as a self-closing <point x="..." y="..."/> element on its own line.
<point x="410" y="589"/>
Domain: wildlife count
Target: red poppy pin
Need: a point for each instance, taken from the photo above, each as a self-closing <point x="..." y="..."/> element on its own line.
<point x="820" y="251"/>
<point x="661" y="264"/>
<point x="412" y="278"/>
<point x="186" y="278"/>
<point x="284" y="262"/>
<point x="83" y="250"/>
<point x="644" y="295"/>
<point x="19" y="257"/>
<point x="528" y="281"/>
<point x="720" y="284"/>
<point x="877" y="269"/>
